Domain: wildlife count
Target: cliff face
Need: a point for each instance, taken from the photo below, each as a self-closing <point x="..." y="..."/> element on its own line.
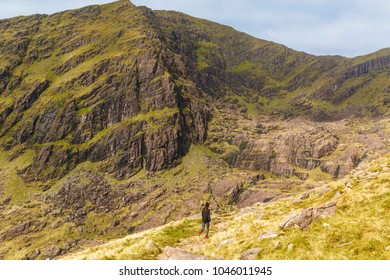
<point x="116" y="118"/>
<point x="102" y="89"/>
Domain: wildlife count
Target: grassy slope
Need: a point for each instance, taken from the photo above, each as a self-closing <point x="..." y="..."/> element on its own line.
<point x="359" y="229"/>
<point x="12" y="184"/>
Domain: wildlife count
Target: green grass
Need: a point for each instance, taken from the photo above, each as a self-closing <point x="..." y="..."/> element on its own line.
<point x="243" y="66"/>
<point x="149" y="117"/>
<point x="13" y="185"/>
<point x="6" y="101"/>
<point x="84" y="111"/>
<point x="202" y="53"/>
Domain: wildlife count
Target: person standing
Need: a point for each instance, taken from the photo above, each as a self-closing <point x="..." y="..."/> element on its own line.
<point x="206" y="219"/>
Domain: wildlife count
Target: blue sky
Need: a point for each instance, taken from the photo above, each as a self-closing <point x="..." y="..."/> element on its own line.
<point x="349" y="28"/>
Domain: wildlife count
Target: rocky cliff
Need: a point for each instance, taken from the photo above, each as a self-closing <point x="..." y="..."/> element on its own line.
<point x="117" y="118"/>
<point x="76" y="94"/>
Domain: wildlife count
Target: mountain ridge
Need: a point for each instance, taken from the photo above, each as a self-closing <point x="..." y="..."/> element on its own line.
<point x="115" y="119"/>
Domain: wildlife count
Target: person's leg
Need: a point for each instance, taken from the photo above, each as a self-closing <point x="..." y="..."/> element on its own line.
<point x="207" y="229"/>
<point x="202" y="229"/>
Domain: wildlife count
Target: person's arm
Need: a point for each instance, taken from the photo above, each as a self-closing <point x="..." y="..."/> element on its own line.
<point x="209" y="216"/>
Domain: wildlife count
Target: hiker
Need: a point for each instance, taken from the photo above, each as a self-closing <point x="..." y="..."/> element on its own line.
<point x="205" y="220"/>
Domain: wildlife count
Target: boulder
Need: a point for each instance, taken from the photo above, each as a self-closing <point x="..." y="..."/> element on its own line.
<point x="170" y="253"/>
<point x="289" y="221"/>
<point x="32" y="255"/>
<point x="254" y="178"/>
<point x="226" y="241"/>
<point x="307" y="216"/>
<point x="337" y="195"/>
<point x="150" y="246"/>
<point x="51" y="252"/>
<point x="227" y="191"/>
<point x="250" y="254"/>
<point x="324" y="190"/>
<point x="305" y="196"/>
<point x="267" y="235"/>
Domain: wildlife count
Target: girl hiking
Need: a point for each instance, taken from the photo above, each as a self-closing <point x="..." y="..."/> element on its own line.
<point x="206" y="219"/>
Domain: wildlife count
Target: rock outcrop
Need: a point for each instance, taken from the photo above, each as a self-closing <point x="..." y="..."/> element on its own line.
<point x="227" y="191"/>
<point x="33" y="255"/>
<point x="250" y="197"/>
<point x="22" y="229"/>
<point x="307" y="216"/>
<point x="51" y="252"/>
<point x="250" y="254"/>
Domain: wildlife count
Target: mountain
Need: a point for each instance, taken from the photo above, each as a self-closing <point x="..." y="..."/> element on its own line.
<point x="116" y="119"/>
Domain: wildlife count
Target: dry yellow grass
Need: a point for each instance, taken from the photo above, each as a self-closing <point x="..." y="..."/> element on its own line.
<point x="360" y="228"/>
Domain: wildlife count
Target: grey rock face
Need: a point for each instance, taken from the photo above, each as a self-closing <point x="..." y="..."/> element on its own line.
<point x="307" y="216"/>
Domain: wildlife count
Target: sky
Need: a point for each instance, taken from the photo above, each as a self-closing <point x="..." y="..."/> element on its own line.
<point x="321" y="27"/>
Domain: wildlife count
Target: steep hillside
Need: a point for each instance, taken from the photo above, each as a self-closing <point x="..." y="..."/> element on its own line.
<point x="273" y="78"/>
<point x="347" y="219"/>
<point x="116" y="119"/>
<point x="72" y="90"/>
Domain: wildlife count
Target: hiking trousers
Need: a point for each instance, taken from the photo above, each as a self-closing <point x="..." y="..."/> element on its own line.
<point x="207" y="224"/>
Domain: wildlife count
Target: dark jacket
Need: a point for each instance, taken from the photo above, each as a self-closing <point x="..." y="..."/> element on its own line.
<point x="206" y="215"/>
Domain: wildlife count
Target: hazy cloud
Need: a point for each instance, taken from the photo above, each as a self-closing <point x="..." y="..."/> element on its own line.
<point x="11" y="8"/>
